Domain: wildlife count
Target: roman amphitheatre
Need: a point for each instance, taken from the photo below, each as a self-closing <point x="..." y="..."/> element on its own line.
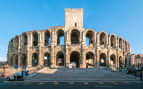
<point x="65" y="46"/>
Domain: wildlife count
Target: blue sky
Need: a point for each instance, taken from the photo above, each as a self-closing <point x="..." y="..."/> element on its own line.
<point x="122" y="17"/>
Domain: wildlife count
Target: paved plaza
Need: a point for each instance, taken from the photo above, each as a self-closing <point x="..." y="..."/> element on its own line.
<point x="95" y="74"/>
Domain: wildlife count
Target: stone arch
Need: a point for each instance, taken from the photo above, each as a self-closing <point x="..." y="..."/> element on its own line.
<point x="120" y="61"/>
<point x="47" y="38"/>
<point x="24" y="60"/>
<point x="75" y="36"/>
<point x="11" y="60"/>
<point x="112" y="41"/>
<point x="35" y="59"/>
<point x="25" y="39"/>
<point x="103" y="38"/>
<point x="11" y="43"/>
<point x="102" y="59"/>
<point x="35" y="38"/>
<point x="126" y="62"/>
<point x="75" y="58"/>
<point x="112" y="59"/>
<point x="60" y="37"/>
<point x="120" y="43"/>
<point x="47" y="59"/>
<point x="16" y="60"/>
<point x="90" y="38"/>
<point x="90" y="58"/>
<point x="16" y="42"/>
<point x="125" y="45"/>
<point x="60" y="58"/>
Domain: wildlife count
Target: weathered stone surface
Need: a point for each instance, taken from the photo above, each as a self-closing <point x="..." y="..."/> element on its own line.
<point x="42" y="47"/>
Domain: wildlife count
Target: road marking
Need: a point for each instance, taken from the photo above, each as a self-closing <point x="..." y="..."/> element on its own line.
<point x="115" y="83"/>
<point x="85" y="83"/>
<point x="105" y="86"/>
<point x="56" y="83"/>
<point x="70" y="83"/>
<point x="100" y="82"/>
<point x="27" y="83"/>
<point x="42" y="83"/>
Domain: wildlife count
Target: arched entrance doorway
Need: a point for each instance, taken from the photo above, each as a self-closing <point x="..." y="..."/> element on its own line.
<point x="112" y="62"/>
<point x="120" y="63"/>
<point x="47" y="60"/>
<point x="102" y="59"/>
<point x="112" y="59"/>
<point x="24" y="58"/>
<point x="75" y="59"/>
<point x="126" y="64"/>
<point x="89" y="59"/>
<point x="16" y="60"/>
<point x="34" y="59"/>
<point x="60" y="59"/>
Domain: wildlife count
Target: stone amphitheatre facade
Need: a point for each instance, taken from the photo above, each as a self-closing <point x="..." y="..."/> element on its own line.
<point x="59" y="46"/>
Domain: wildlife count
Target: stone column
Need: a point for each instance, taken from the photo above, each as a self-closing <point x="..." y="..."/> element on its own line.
<point x="19" y="60"/>
<point x="53" y="60"/>
<point x="97" y="58"/>
<point x="83" y="59"/>
<point x="67" y="57"/>
<point x="29" y="50"/>
<point x="67" y="44"/>
<point x="108" y="58"/>
<point x="41" y="48"/>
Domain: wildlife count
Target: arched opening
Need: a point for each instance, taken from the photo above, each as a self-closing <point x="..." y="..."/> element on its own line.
<point x="60" y="37"/>
<point x="113" y="41"/>
<point x="89" y="59"/>
<point x="120" y="62"/>
<point x="35" y="39"/>
<point x="125" y="45"/>
<point x="11" y="44"/>
<point x="16" y="42"/>
<point x="11" y="60"/>
<point x="102" y="59"/>
<point x="47" y="60"/>
<point x="34" y="59"/>
<point x="112" y="59"/>
<point x="75" y="59"/>
<point x="89" y="38"/>
<point x="24" y="60"/>
<point x="47" y="38"/>
<point x="24" y="39"/>
<point x="16" y="60"/>
<point x="60" y="59"/>
<point x="126" y="64"/>
<point x="75" y="37"/>
<point x="103" y="39"/>
<point x="120" y="43"/>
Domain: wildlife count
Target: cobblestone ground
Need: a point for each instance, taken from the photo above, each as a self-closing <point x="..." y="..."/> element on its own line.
<point x="95" y="74"/>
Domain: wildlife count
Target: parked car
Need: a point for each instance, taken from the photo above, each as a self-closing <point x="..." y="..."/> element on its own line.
<point x="131" y="70"/>
<point x="16" y="76"/>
